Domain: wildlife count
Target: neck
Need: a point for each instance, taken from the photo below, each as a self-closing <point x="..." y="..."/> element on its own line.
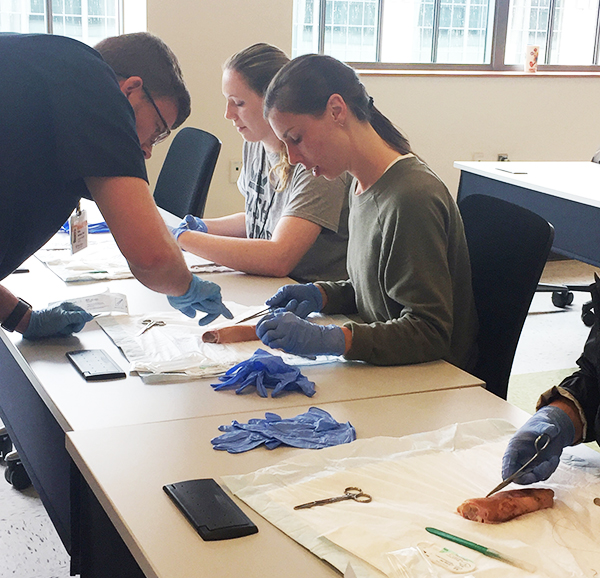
<point x="272" y="143"/>
<point x="370" y="155"/>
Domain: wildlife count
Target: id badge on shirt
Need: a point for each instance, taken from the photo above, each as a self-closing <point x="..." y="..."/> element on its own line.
<point x="79" y="230"/>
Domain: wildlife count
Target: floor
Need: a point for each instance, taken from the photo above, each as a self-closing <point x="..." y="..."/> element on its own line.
<point x="551" y="341"/>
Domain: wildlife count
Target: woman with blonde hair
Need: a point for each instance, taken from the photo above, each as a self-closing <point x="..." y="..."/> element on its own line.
<point x="294" y="224"/>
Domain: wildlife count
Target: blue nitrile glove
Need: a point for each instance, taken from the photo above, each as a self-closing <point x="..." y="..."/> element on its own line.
<point x="58" y="321"/>
<point x="189" y="223"/>
<point x="284" y="330"/>
<point x="265" y="371"/>
<point x="549" y="420"/>
<point x="203" y="296"/>
<point x="315" y="429"/>
<point x="299" y="299"/>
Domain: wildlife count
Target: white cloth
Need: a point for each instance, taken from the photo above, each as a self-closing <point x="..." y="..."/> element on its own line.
<point x="176" y="352"/>
<point x="418" y="481"/>
<point x="101" y="260"/>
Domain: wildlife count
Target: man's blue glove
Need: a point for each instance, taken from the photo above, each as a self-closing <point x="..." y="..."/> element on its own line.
<point x="549" y="420"/>
<point x="265" y="371"/>
<point x="315" y="429"/>
<point x="203" y="296"/>
<point x="189" y="223"/>
<point x="284" y="330"/>
<point x="58" y="321"/>
<point x="299" y="299"/>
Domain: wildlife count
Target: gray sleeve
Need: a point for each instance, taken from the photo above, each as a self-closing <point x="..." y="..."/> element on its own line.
<point x="340" y="297"/>
<point x="316" y="199"/>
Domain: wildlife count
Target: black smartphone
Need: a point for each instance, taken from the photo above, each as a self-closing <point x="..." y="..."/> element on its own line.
<point x="212" y="513"/>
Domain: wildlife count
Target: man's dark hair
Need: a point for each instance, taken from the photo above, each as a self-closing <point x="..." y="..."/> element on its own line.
<point x="147" y="56"/>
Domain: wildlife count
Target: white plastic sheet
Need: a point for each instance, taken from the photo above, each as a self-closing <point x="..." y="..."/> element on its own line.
<point x="418" y="481"/>
<point x="176" y="352"/>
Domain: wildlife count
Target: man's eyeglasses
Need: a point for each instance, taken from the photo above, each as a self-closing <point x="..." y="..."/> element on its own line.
<point x="167" y="131"/>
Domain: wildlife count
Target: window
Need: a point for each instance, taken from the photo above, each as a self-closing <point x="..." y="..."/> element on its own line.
<point x="478" y="34"/>
<point x="87" y="20"/>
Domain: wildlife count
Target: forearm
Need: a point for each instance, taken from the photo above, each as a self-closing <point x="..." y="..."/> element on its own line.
<point x="254" y="256"/>
<point x="141" y="234"/>
<point x="402" y="341"/>
<point x="228" y="226"/>
<point x="338" y="297"/>
<point x="276" y="257"/>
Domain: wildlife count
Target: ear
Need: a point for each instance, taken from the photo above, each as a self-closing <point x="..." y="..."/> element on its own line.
<point x="131" y="84"/>
<point x="337" y="108"/>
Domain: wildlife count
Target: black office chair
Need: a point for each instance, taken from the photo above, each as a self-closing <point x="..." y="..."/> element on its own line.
<point x="508" y="247"/>
<point x="182" y="185"/>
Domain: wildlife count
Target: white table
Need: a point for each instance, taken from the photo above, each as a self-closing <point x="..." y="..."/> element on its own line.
<point x="128" y="483"/>
<point x="42" y="396"/>
<point x="567" y="194"/>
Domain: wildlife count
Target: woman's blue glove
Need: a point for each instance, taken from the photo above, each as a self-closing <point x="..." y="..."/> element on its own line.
<point x="284" y="330"/>
<point x="299" y="299"/>
<point x="58" y="321"/>
<point x="189" y="223"/>
<point x="550" y="420"/>
<point x="203" y="296"/>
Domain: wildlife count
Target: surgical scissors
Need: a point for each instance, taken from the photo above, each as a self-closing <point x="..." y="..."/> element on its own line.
<point x="149" y="323"/>
<point x="350" y="493"/>
<point x="538" y="450"/>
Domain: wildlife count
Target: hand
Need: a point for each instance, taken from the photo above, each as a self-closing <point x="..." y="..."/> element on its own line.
<point x="189" y="223"/>
<point x="203" y="296"/>
<point x="549" y="420"/>
<point x="299" y="299"/>
<point x="284" y="330"/>
<point x="58" y="321"/>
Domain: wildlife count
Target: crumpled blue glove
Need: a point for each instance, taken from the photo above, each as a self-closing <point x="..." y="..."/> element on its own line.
<point x="58" y="321"/>
<point x="284" y="330"/>
<point x="550" y="420"/>
<point x="265" y="371"/>
<point x="189" y="223"/>
<point x="299" y="299"/>
<point x="315" y="429"/>
<point x="203" y="296"/>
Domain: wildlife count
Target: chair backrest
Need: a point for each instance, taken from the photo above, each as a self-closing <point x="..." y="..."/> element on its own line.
<point x="182" y="185"/>
<point x="508" y="247"/>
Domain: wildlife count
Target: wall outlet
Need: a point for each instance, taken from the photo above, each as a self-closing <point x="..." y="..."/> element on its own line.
<point x="502" y="157"/>
<point x="235" y="168"/>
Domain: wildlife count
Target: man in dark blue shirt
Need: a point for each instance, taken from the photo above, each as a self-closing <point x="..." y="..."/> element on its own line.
<point x="78" y="122"/>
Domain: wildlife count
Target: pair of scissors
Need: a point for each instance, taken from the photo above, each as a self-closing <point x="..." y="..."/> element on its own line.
<point x="150" y="323"/>
<point x="541" y="443"/>
<point x="350" y="493"/>
<point x="254" y="315"/>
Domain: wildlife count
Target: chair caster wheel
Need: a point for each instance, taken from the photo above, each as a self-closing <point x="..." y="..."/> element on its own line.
<point x="587" y="314"/>
<point x="562" y="298"/>
<point x="5" y="443"/>
<point x="15" y="473"/>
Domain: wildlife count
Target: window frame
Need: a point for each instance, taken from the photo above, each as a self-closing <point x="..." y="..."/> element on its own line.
<point x="49" y="17"/>
<point x="498" y="45"/>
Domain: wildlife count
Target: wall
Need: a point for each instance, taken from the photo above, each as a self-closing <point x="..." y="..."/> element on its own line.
<point x="446" y="118"/>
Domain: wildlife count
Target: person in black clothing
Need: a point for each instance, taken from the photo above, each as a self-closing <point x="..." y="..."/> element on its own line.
<point x="79" y="122"/>
<point x="568" y="413"/>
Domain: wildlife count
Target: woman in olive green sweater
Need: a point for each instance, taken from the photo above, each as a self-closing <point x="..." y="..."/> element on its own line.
<point x="408" y="263"/>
